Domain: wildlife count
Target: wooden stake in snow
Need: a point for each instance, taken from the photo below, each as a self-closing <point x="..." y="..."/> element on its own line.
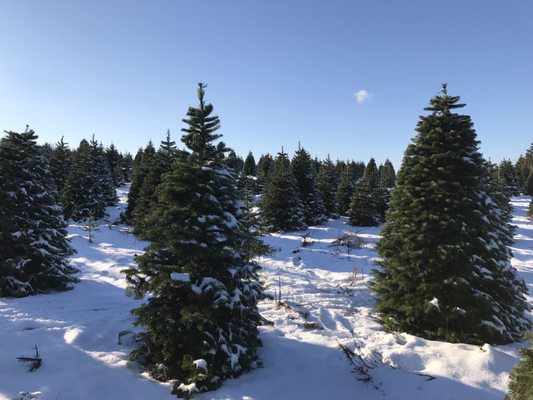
<point x="36" y="361"/>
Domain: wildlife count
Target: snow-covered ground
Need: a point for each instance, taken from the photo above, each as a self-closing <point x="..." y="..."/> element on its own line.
<point x="325" y="300"/>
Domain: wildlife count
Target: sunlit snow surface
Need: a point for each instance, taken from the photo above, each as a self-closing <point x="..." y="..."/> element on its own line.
<point x="325" y="297"/>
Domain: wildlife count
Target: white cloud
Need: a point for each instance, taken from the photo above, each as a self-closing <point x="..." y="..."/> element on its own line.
<point x="362" y="96"/>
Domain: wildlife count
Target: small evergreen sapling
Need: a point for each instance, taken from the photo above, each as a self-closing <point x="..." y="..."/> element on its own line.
<point x="521" y="378"/>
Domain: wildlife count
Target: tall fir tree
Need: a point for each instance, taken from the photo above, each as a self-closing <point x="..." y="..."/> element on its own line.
<point x="281" y="208"/>
<point x="127" y="167"/>
<point x="508" y="178"/>
<point x="154" y="169"/>
<point x="114" y="160"/>
<point x="60" y="162"/>
<point x="200" y="320"/>
<point x="82" y="195"/>
<point x="264" y="165"/>
<point x="327" y="187"/>
<point x="302" y="168"/>
<point x="345" y="190"/>
<point x="100" y="168"/>
<point x="249" y="168"/>
<point x="143" y="162"/>
<point x="446" y="271"/>
<point x="367" y="202"/>
<point x="524" y="171"/>
<point x="387" y="175"/>
<point x="34" y="251"/>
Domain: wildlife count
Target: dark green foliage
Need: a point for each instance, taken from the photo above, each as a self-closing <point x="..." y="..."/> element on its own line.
<point x="34" y="250"/>
<point x="127" y="167"/>
<point x="530" y="210"/>
<point x="521" y="378"/>
<point x="249" y="168"/>
<point x="233" y="161"/>
<point x="281" y="208"/>
<point x="203" y="288"/>
<point x="498" y="191"/>
<point x="327" y="187"/>
<point x="302" y="168"/>
<point x="446" y="271"/>
<point x="507" y="178"/>
<point x="102" y="172"/>
<point x="524" y="172"/>
<point x="345" y="190"/>
<point x="387" y="175"/>
<point x="89" y="187"/>
<point x="368" y="201"/>
<point x="82" y="196"/>
<point x="114" y="160"/>
<point x="528" y="186"/>
<point x="153" y="168"/>
<point x="60" y="161"/>
<point x="364" y="210"/>
<point x="143" y="162"/>
<point x="266" y="162"/>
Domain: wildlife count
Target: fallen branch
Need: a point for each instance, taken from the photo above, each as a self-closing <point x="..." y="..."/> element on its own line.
<point x="36" y="361"/>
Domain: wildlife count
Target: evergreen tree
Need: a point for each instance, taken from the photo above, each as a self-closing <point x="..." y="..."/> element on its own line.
<point x="281" y="207"/>
<point x="345" y="190"/>
<point x="302" y="168"/>
<point x="100" y="169"/>
<point x="528" y="187"/>
<point x="142" y="163"/>
<point x="233" y="161"/>
<point x="127" y="167"/>
<point x="507" y="177"/>
<point x="200" y="320"/>
<point x="154" y="169"/>
<point x="364" y="209"/>
<point x="444" y="250"/>
<point x="249" y="168"/>
<point x="498" y="190"/>
<point x="387" y="175"/>
<point x="34" y="251"/>
<point x="82" y="195"/>
<point x="266" y="162"/>
<point x="327" y="187"/>
<point x="524" y="170"/>
<point x="368" y="200"/>
<point x="521" y="378"/>
<point x="114" y="160"/>
<point x="60" y="165"/>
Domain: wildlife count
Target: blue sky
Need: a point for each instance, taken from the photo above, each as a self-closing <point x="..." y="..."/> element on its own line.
<point x="279" y="71"/>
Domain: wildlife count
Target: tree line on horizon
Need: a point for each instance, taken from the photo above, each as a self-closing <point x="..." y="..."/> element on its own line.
<point x="444" y="268"/>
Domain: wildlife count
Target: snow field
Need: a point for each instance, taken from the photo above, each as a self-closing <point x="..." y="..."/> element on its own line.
<point x="325" y="300"/>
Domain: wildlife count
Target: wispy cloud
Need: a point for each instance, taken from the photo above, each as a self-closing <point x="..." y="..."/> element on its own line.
<point x="363" y="96"/>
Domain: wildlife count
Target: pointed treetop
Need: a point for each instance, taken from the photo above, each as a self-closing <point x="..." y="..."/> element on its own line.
<point x="442" y="104"/>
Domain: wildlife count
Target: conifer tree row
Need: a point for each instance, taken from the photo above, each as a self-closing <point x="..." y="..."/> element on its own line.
<point x="34" y="251"/>
<point x="446" y="271"/>
<point x="200" y="320"/>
